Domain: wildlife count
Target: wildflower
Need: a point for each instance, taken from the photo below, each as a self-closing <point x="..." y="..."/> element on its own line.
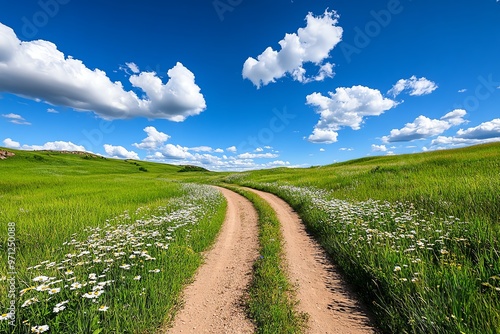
<point x="444" y="251"/>
<point x="125" y="266"/>
<point x="58" y="309"/>
<point x="29" y="302"/>
<point x="397" y="268"/>
<point x="137" y="278"/>
<point x="93" y="294"/>
<point x="40" y="279"/>
<point x="39" y="329"/>
<point x="155" y="271"/>
<point x="54" y="291"/>
<point x="42" y="287"/>
<point x="75" y="285"/>
<point x="103" y="308"/>
<point x="5" y="316"/>
<point x="92" y="277"/>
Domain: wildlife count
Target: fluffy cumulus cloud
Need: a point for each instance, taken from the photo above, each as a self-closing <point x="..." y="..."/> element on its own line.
<point x="257" y="155"/>
<point x="423" y="127"/>
<point x="484" y="130"/>
<point x="16" y="119"/>
<point x="9" y="143"/>
<point x="52" y="146"/>
<point x="379" y="148"/>
<point x="311" y="44"/>
<point x="414" y="86"/>
<point x="154" y="140"/>
<point x="119" y="152"/>
<point x="205" y="156"/>
<point x="38" y="70"/>
<point x="347" y="107"/>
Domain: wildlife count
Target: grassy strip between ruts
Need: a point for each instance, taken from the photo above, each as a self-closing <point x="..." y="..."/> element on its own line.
<point x="272" y="303"/>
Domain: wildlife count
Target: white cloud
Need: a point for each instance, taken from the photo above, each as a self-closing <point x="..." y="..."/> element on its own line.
<point x="39" y="71"/>
<point x="154" y="140"/>
<point x="443" y="142"/>
<point x="323" y="136"/>
<point x="257" y="155"/>
<point x="231" y="149"/>
<point x="120" y="152"/>
<point x="201" y="149"/>
<point x="171" y="151"/>
<point x="346" y="149"/>
<point x="16" y="119"/>
<point x="52" y="110"/>
<point x="484" y="130"/>
<point x="322" y="150"/>
<point x="9" y="143"/>
<point x="455" y="117"/>
<point x="379" y="148"/>
<point x="219" y="150"/>
<point x="462" y="90"/>
<point x="417" y="87"/>
<point x="347" y="107"/>
<point x="133" y="67"/>
<point x="52" y="146"/>
<point x="423" y="127"/>
<point x="259" y="149"/>
<point x="279" y="163"/>
<point x="311" y="44"/>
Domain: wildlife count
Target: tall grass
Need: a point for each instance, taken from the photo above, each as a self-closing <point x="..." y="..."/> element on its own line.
<point x="100" y="246"/>
<point x="418" y="235"/>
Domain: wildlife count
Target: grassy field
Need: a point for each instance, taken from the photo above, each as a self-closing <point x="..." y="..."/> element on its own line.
<point x="105" y="246"/>
<point x="98" y="245"/>
<point x="417" y="234"/>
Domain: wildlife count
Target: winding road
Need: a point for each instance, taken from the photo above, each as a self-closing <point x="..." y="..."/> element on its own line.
<point x="214" y="302"/>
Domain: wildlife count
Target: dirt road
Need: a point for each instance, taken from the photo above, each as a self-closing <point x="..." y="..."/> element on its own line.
<point x="214" y="301"/>
<point x="322" y="294"/>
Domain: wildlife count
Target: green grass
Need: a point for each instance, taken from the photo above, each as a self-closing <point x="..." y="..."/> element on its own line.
<point x="418" y="235"/>
<point x="65" y="205"/>
<point x="272" y="303"/>
<point x="426" y="256"/>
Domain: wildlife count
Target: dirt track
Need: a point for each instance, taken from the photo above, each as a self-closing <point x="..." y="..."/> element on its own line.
<point x="213" y="302"/>
<point x="322" y="294"/>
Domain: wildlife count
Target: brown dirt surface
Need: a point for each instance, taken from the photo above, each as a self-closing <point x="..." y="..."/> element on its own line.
<point x="214" y="302"/>
<point x="323" y="295"/>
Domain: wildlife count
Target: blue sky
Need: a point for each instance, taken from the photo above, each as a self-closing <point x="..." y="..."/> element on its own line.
<point x="239" y="84"/>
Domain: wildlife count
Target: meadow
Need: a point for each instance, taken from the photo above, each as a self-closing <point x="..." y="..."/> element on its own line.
<point x="100" y="245"/>
<point x="106" y="246"/>
<point x="418" y="235"/>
